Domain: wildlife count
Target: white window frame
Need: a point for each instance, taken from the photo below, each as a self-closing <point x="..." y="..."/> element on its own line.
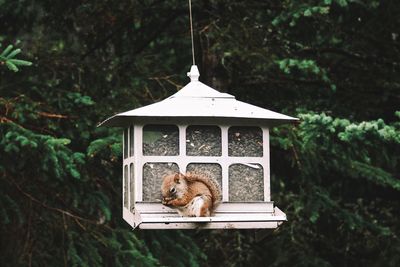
<point x="149" y="215"/>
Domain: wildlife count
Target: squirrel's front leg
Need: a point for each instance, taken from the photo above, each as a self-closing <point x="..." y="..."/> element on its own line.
<point x="177" y="202"/>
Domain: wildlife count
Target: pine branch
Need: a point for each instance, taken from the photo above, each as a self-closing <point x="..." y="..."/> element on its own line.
<point x="52" y="115"/>
<point x="63" y="212"/>
<point x="7" y="57"/>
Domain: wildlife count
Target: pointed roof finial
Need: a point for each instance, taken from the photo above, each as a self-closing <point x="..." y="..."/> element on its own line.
<point x="194" y="73"/>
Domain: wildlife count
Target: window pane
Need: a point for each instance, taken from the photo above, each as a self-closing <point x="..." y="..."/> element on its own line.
<point x="132" y="185"/>
<point x="209" y="169"/>
<point x="246" y="182"/>
<point x="152" y="179"/>
<point x="125" y="143"/>
<point x="126" y="186"/>
<point x="131" y="140"/>
<point x="245" y="142"/>
<point x="203" y="141"/>
<point x="160" y="140"/>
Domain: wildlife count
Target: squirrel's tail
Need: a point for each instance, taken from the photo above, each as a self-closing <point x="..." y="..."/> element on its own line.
<point x="210" y="182"/>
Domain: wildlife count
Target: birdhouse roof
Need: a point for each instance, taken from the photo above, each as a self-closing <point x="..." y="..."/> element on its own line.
<point x="197" y="100"/>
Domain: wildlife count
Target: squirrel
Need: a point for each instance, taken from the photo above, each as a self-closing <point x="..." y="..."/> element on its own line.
<point x="192" y="194"/>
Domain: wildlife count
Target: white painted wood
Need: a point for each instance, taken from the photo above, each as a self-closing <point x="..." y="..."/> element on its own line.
<point x="202" y="159"/>
<point x="132" y="218"/>
<point x="225" y="218"/>
<point x="224" y="161"/>
<point x="278" y="212"/>
<point x="266" y="165"/>
<point x="123" y="170"/>
<point x="131" y="141"/>
<point x="123" y="185"/>
<point x="182" y="148"/>
<point x="132" y="186"/>
<point x="194" y="73"/>
<point x="229" y="207"/>
<point x="138" y="161"/>
<point x="197" y="100"/>
<point x="123" y="177"/>
<point x="128" y="187"/>
<point x="128" y="217"/>
<point x="129" y="160"/>
<point x="213" y="225"/>
<point x="228" y="214"/>
<point x="245" y="207"/>
<point x="238" y="221"/>
<point x="198" y="104"/>
<point x="128" y="193"/>
<point x="182" y="140"/>
<point x="231" y="221"/>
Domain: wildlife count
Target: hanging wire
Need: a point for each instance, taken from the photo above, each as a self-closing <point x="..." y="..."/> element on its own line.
<point x="191" y="29"/>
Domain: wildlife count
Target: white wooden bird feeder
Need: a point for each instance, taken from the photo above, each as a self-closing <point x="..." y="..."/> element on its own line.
<point x="199" y="129"/>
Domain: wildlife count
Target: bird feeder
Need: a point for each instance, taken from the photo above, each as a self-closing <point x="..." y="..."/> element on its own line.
<point x="199" y="129"/>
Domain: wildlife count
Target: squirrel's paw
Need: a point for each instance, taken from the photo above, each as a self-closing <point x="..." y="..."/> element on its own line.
<point x="166" y="201"/>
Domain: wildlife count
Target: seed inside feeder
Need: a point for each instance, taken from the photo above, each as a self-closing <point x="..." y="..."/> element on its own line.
<point x="203" y="141"/>
<point x="246" y="182"/>
<point x="160" y="140"/>
<point x="152" y="179"/>
<point x="245" y="142"/>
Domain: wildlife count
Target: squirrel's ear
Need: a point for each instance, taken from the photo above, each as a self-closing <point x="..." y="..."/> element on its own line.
<point x="176" y="178"/>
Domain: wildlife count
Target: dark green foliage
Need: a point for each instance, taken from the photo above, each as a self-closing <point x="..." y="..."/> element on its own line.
<point x="345" y="188"/>
<point x="333" y="63"/>
<point x="7" y="57"/>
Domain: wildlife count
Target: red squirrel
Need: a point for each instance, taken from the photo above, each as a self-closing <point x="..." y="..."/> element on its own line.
<point x="192" y="194"/>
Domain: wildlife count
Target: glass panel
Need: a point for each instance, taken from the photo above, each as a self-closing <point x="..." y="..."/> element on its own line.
<point x="160" y="140"/>
<point x="246" y="182"/>
<point x="132" y="185"/>
<point x="210" y="169"/>
<point x="125" y="143"/>
<point x="126" y="186"/>
<point x="152" y="179"/>
<point x="203" y="141"/>
<point x="245" y="142"/>
<point x="131" y="140"/>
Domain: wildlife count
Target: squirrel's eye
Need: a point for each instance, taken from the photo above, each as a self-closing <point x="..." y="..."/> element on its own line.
<point x="172" y="190"/>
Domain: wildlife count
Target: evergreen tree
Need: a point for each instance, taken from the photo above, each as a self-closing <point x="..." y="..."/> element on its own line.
<point x="333" y="63"/>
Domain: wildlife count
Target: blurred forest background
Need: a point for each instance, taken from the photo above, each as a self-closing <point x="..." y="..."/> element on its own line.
<point x="333" y="63"/>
